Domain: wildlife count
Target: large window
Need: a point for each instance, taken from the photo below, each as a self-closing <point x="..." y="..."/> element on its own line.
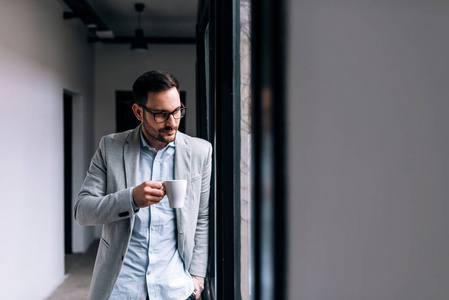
<point x="238" y="115"/>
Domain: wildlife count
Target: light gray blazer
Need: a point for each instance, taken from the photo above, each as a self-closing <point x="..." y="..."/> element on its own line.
<point x="104" y="199"/>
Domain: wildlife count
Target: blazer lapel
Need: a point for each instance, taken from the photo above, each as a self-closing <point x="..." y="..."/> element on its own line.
<point x="182" y="158"/>
<point x="182" y="171"/>
<point x="131" y="157"/>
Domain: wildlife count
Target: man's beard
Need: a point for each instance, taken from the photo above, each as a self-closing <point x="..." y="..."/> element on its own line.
<point x="167" y="139"/>
<point x="159" y="135"/>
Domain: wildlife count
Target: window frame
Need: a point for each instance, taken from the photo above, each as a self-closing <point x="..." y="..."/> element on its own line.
<point x="269" y="148"/>
<point x="218" y="111"/>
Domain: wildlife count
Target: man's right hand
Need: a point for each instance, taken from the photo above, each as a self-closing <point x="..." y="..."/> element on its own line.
<point x="148" y="193"/>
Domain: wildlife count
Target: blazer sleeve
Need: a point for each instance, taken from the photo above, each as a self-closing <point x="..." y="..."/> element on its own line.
<point x="198" y="266"/>
<point x="94" y="206"/>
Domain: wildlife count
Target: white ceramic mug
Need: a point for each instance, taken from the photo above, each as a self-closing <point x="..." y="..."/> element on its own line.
<point x="176" y="192"/>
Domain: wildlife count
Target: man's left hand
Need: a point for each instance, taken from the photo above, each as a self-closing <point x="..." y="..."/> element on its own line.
<point x="198" y="286"/>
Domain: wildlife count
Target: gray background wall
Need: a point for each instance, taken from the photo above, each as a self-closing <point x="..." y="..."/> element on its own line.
<point x="368" y="149"/>
<point x="41" y="56"/>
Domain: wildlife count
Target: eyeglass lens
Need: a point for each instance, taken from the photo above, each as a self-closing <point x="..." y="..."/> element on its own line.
<point x="162" y="117"/>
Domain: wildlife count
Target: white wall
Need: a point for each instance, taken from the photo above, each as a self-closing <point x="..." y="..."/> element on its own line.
<point x="368" y="145"/>
<point x="117" y="67"/>
<point x="40" y="56"/>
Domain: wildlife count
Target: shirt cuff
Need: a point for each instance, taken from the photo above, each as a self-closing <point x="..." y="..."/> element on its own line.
<point x="135" y="208"/>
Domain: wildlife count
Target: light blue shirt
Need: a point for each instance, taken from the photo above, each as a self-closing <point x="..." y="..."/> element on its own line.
<point x="152" y="263"/>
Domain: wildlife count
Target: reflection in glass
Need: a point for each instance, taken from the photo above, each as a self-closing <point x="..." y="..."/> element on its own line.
<point x="245" y="136"/>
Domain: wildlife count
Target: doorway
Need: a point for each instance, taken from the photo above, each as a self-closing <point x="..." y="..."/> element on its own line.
<point x="68" y="138"/>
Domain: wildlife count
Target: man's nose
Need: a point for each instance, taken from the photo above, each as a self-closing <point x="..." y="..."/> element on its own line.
<point x="171" y="121"/>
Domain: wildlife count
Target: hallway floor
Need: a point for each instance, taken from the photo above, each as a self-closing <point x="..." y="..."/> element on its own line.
<point x="79" y="269"/>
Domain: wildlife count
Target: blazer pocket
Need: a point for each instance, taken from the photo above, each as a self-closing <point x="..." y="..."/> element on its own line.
<point x="194" y="191"/>
<point x="195" y="179"/>
<point x="104" y="242"/>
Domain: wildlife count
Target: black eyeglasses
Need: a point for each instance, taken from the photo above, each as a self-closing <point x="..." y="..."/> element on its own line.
<point x="160" y="117"/>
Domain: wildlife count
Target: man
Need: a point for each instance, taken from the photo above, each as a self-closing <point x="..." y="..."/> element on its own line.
<point x="147" y="249"/>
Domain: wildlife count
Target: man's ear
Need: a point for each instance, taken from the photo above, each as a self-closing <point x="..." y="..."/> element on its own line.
<point x="137" y="111"/>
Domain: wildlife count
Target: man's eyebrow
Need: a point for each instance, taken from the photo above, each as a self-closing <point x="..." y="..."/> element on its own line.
<point x="165" y="111"/>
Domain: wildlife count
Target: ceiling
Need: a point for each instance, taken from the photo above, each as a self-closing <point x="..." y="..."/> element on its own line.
<point x="167" y="19"/>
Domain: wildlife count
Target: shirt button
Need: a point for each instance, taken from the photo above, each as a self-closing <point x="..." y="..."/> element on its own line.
<point x="148" y="273"/>
<point x="151" y="250"/>
<point x="153" y="228"/>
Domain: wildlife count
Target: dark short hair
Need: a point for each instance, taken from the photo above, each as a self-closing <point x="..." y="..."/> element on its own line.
<point x="152" y="81"/>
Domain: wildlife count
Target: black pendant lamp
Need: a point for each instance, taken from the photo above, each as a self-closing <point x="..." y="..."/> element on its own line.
<point x="139" y="44"/>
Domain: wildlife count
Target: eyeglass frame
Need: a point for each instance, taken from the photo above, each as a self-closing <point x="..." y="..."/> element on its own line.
<point x="168" y="113"/>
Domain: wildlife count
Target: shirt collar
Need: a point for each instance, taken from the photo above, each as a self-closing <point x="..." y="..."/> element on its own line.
<point x="144" y="143"/>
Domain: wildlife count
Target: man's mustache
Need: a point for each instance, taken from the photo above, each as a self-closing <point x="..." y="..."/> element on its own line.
<point x="169" y="128"/>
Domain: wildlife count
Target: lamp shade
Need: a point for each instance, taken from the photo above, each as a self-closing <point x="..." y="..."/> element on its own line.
<point x="139" y="44"/>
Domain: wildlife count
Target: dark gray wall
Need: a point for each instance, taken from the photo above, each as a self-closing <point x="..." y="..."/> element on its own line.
<point x="368" y="119"/>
